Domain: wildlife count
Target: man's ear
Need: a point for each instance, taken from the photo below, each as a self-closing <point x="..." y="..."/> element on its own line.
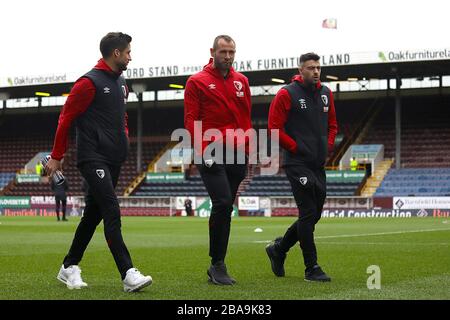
<point x="211" y="51"/>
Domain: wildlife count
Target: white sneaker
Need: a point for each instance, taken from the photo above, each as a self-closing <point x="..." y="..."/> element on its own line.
<point x="71" y="277"/>
<point x="135" y="281"/>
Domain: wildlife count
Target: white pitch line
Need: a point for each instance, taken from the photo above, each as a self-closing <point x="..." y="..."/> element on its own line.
<point x="383" y="243"/>
<point x="367" y="234"/>
<point x="379" y="233"/>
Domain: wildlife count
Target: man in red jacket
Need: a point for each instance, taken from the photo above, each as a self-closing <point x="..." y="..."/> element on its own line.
<point x="219" y="97"/>
<point x="97" y="102"/>
<point x="304" y="114"/>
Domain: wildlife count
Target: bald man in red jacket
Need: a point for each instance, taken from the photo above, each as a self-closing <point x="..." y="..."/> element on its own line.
<point x="219" y="97"/>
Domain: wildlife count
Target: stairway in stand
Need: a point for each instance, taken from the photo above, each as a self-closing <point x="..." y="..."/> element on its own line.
<point x="375" y="180"/>
<point x="251" y="171"/>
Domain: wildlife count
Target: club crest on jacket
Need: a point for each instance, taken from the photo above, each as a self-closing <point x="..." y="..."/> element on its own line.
<point x="303" y="180"/>
<point x="238" y="85"/>
<point x="100" y="173"/>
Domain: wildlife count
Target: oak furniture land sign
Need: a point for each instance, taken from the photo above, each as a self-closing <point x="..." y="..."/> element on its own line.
<point x="248" y="203"/>
<point x="254" y="64"/>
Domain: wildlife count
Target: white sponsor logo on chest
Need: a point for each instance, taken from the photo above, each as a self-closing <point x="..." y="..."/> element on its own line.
<point x="302" y="103"/>
<point x="238" y="85"/>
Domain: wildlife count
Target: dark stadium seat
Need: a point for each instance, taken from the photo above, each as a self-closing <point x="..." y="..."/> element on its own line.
<point x="16" y="152"/>
<point x="278" y="185"/>
<point x="415" y="182"/>
<point x="424" y="132"/>
<point x="190" y="187"/>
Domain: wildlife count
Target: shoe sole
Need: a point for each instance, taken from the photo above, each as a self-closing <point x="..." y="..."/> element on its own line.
<point x="61" y="279"/>
<point x="139" y="287"/>
<point x="232" y="281"/>
<point x="308" y="280"/>
<point x="68" y="286"/>
<point x="214" y="281"/>
<point x="271" y="263"/>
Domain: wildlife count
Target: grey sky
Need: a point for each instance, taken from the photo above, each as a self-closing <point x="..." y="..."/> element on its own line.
<point x="49" y="36"/>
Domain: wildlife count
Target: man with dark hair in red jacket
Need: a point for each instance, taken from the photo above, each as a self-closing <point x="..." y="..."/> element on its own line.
<point x="97" y="102"/>
<point x="219" y="97"/>
<point x="304" y="114"/>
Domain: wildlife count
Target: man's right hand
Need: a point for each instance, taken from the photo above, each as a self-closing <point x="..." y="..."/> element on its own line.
<point x="52" y="166"/>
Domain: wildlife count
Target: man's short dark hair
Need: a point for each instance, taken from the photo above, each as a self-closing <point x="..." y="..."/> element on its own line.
<point x="224" y="37"/>
<point x="112" y="41"/>
<point x="309" y="56"/>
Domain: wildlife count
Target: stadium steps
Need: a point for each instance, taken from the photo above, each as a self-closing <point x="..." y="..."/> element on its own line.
<point x="246" y="182"/>
<point x="141" y="177"/>
<point x="134" y="184"/>
<point x="375" y="180"/>
<point x="169" y="145"/>
<point x="358" y="134"/>
<point x="151" y="146"/>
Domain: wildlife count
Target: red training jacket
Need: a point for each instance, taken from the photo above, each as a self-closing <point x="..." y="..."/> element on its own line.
<point x="79" y="99"/>
<point x="221" y="103"/>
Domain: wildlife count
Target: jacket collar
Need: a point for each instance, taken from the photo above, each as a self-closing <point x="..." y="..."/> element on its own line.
<point x="102" y="65"/>
<point x="298" y="78"/>
<point x="214" y="71"/>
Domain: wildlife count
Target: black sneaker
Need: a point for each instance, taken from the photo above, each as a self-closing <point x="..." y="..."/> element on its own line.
<point x="218" y="274"/>
<point x="276" y="258"/>
<point x="316" y="274"/>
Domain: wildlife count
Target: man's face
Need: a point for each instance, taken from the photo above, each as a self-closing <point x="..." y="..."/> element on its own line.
<point x="310" y="71"/>
<point x="224" y="54"/>
<point x="122" y="58"/>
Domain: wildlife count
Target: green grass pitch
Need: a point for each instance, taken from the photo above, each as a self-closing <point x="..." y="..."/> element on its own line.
<point x="413" y="256"/>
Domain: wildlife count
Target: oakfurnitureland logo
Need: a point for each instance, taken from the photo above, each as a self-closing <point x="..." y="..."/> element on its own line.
<point x="407" y="55"/>
<point x="30" y="80"/>
<point x="382" y="56"/>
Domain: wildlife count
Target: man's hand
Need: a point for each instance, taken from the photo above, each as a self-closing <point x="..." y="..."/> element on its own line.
<point x="52" y="166"/>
